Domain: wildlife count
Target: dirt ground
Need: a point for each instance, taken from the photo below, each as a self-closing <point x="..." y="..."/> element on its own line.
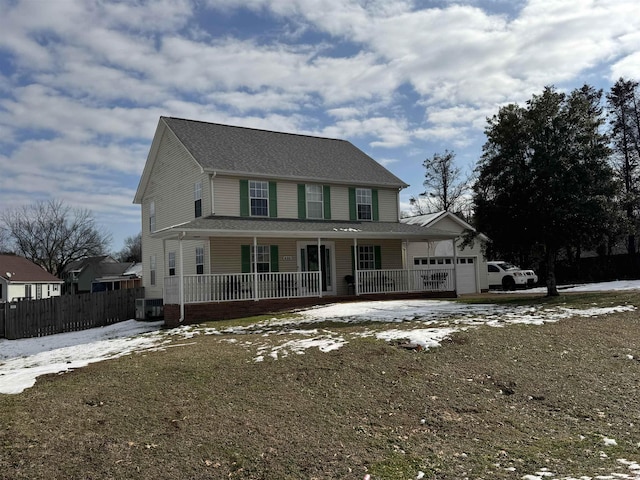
<point x="561" y="399"/>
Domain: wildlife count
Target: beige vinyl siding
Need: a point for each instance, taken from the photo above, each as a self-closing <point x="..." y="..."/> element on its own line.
<point x="226" y="196"/>
<point x="227" y="199"/>
<point x="170" y="186"/>
<point x="287" y="200"/>
<point x="339" y="202"/>
<point x="226" y="258"/>
<point x="388" y="205"/>
<point x="189" y="252"/>
<point x="391" y="258"/>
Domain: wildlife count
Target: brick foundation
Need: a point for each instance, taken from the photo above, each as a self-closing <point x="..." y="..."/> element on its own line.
<point x="203" y="312"/>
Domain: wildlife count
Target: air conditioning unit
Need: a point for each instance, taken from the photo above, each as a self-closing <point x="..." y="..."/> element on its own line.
<point x="149" y="308"/>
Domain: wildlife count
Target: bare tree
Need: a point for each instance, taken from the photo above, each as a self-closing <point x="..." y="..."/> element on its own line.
<point x="4" y="240"/>
<point x="52" y="234"/>
<point x="445" y="189"/>
<point x="132" y="250"/>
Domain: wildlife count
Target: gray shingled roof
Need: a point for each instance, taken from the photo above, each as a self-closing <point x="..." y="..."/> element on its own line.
<point x="228" y="149"/>
<point x="249" y="227"/>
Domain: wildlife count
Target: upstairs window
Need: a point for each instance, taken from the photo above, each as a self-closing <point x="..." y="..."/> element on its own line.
<point x="152" y="216"/>
<point x="197" y="199"/>
<point x="315" y="203"/>
<point x="364" y="203"/>
<point x="259" y="198"/>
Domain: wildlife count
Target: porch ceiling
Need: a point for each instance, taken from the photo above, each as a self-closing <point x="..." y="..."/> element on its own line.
<point x="217" y="226"/>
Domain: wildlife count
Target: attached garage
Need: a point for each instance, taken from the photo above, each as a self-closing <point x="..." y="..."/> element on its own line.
<point x="471" y="266"/>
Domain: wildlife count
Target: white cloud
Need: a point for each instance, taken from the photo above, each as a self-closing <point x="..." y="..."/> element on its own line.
<point x="83" y="82"/>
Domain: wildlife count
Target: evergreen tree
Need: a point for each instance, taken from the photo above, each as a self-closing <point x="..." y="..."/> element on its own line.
<point x="624" y="118"/>
<point x="544" y="181"/>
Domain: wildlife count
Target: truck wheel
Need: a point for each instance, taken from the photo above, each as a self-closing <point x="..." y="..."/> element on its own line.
<point x="508" y="283"/>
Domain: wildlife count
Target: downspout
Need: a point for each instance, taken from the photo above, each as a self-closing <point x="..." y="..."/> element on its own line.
<point x="181" y="279"/>
<point x="320" y="273"/>
<point x="213" y="204"/>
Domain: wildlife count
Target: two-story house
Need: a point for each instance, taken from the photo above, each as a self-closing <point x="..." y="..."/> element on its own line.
<point x="234" y="217"/>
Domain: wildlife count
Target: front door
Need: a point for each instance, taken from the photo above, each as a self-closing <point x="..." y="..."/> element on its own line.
<point x="312" y="260"/>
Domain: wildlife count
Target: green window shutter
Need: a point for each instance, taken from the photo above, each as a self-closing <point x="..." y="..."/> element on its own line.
<point x="302" y="201"/>
<point x="244" y="198"/>
<point x="353" y="214"/>
<point x="377" y="257"/>
<point x="374" y="205"/>
<point x="274" y="258"/>
<point x="245" y="255"/>
<point x="326" y="198"/>
<point x="273" y="199"/>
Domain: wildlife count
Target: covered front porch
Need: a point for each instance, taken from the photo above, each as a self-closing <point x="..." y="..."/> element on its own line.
<point x="288" y="262"/>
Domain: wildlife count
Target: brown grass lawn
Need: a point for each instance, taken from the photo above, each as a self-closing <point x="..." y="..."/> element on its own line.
<point x="490" y="403"/>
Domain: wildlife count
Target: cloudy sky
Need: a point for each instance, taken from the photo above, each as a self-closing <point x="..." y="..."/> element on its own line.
<point x="83" y="82"/>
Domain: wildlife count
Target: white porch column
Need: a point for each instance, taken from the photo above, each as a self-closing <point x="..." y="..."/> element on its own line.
<point x="405" y="265"/>
<point x="320" y="272"/>
<point x="355" y="266"/>
<point x="255" y="269"/>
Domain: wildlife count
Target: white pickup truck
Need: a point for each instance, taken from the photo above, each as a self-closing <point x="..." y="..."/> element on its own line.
<point x="509" y="277"/>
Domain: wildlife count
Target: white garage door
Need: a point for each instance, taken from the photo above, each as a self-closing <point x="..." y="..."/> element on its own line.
<point x="467" y="275"/>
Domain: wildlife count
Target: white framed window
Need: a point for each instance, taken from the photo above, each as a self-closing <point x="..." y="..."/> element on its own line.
<point x="172" y="263"/>
<point x="261" y="258"/>
<point x="152" y="269"/>
<point x="315" y="203"/>
<point x="197" y="199"/>
<point x="259" y="198"/>
<point x="364" y="202"/>
<point x="366" y="257"/>
<point x="152" y="216"/>
<point x="199" y="260"/>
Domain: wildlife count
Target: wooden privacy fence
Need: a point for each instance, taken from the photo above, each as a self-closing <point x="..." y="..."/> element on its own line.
<point x="67" y="313"/>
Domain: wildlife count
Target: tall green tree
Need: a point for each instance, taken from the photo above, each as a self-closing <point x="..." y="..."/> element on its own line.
<point x="624" y="117"/>
<point x="544" y="181"/>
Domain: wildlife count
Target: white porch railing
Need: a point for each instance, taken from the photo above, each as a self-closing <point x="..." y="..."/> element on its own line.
<point x="400" y="281"/>
<point x="241" y="286"/>
<point x="249" y="286"/>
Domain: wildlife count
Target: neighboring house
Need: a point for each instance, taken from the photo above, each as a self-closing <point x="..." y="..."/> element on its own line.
<point x="233" y="214"/>
<point x="470" y="263"/>
<point x="21" y="279"/>
<point x="80" y="276"/>
<point x="118" y="276"/>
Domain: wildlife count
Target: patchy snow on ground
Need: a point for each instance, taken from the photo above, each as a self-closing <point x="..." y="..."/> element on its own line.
<point x="22" y="361"/>
<point x="422" y="322"/>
